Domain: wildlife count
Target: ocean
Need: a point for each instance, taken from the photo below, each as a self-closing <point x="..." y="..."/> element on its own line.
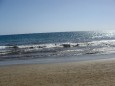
<point x="56" y="44"/>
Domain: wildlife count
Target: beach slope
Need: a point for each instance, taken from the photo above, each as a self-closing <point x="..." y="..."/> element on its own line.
<point x="85" y="73"/>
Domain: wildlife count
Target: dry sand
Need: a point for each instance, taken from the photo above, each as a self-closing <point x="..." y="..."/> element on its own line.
<point x="87" y="73"/>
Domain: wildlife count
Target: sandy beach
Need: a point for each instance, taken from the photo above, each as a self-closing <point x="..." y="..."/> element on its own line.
<point x="85" y="73"/>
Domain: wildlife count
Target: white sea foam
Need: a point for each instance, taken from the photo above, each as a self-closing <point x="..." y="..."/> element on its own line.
<point x="2" y="47"/>
<point x="93" y="47"/>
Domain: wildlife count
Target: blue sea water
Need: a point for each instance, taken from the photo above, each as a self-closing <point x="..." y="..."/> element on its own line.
<point x="38" y="45"/>
<point x="57" y="37"/>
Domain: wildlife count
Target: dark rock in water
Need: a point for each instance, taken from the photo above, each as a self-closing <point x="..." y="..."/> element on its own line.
<point x="92" y="52"/>
<point x="66" y="45"/>
<point x="76" y="45"/>
<point x="15" y="47"/>
<point x="41" y="46"/>
<point x="13" y="50"/>
<point x="31" y="47"/>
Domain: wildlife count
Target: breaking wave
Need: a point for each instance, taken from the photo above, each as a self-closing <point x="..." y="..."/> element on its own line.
<point x="58" y="49"/>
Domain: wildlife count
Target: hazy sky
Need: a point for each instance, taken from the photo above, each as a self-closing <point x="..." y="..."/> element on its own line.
<point x="36" y="16"/>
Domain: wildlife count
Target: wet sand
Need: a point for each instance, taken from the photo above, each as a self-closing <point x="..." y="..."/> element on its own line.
<point x="84" y="73"/>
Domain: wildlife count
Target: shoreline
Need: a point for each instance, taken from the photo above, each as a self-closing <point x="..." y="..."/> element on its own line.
<point x="52" y="60"/>
<point x="84" y="73"/>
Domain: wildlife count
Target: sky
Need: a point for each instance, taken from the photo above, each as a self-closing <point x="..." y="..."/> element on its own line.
<point x="37" y="16"/>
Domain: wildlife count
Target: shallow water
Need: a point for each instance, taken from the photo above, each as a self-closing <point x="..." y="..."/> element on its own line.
<point x="51" y="60"/>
